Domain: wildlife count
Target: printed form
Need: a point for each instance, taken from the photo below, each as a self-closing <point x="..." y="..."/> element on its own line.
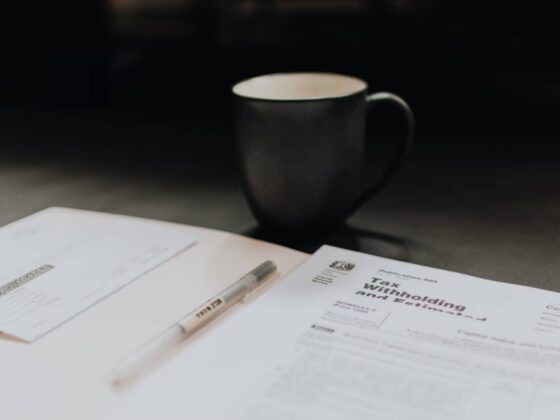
<point x="353" y="336"/>
<point x="58" y="262"/>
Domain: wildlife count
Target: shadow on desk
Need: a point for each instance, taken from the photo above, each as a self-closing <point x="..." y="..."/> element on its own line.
<point x="348" y="237"/>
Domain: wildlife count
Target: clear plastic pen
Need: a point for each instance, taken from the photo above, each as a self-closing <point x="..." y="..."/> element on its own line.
<point x="192" y="322"/>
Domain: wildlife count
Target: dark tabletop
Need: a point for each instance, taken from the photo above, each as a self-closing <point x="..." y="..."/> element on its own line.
<point x="471" y="199"/>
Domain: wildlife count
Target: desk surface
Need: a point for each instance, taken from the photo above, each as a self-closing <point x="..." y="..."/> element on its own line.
<point x="468" y="200"/>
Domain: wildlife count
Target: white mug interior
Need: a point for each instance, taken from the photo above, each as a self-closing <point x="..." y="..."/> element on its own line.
<point x="299" y="86"/>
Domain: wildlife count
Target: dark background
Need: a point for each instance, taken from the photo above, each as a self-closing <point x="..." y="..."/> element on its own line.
<point x="445" y="56"/>
<point x="459" y="63"/>
<point x="125" y="106"/>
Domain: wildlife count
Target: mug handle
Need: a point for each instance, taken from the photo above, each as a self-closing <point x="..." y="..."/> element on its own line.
<point x="378" y="99"/>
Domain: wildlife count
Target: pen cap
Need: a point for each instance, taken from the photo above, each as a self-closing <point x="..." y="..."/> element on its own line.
<point x="248" y="282"/>
<point x="262" y="272"/>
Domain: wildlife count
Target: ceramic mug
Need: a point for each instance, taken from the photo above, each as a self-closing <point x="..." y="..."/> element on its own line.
<point x="301" y="139"/>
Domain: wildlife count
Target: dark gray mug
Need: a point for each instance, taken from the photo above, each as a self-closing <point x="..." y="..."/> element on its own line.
<point x="301" y="139"/>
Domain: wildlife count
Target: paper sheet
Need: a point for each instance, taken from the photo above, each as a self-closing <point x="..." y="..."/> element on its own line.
<point x="352" y="336"/>
<point x="58" y="263"/>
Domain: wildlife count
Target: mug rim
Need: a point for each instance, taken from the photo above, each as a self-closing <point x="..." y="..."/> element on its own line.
<point x="359" y="86"/>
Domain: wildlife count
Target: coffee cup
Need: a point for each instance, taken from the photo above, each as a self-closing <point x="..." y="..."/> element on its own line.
<point x="301" y="140"/>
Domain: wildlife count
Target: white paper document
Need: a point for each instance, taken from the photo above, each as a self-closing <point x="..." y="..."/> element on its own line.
<point x="352" y="336"/>
<point x="58" y="262"/>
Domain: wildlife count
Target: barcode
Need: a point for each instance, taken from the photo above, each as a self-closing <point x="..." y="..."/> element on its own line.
<point x="20" y="281"/>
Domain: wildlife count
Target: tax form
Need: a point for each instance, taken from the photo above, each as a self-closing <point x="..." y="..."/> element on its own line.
<point x="58" y="262"/>
<point x="353" y="336"/>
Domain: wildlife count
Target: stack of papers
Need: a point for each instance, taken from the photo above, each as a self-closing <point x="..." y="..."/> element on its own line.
<point x="343" y="335"/>
<point x="57" y="264"/>
<point x="353" y="336"/>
